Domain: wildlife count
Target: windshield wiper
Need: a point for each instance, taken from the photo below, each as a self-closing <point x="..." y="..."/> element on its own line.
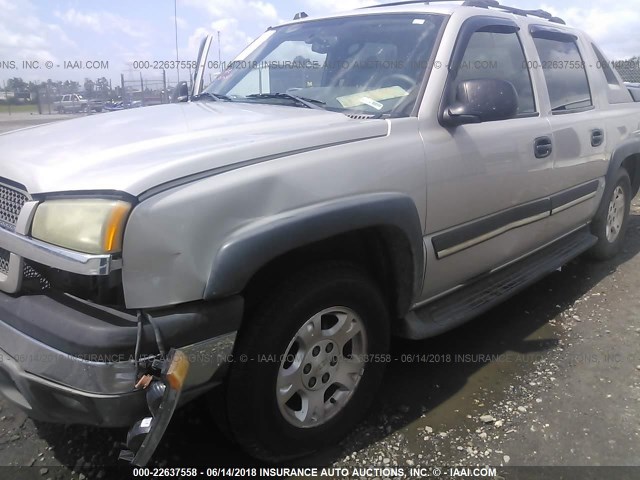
<point x="212" y="96"/>
<point x="307" y="102"/>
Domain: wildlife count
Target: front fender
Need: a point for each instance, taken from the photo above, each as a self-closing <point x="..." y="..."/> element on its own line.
<point x="254" y="245"/>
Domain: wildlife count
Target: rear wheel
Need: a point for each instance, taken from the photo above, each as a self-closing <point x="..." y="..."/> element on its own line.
<point x="610" y="222"/>
<point x="308" y="361"/>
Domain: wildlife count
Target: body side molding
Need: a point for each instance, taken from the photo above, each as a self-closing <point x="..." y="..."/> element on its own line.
<point x="480" y="230"/>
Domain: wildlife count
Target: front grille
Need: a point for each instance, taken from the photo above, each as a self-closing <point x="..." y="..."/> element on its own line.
<point x="11" y="202"/>
<point x="33" y="280"/>
<point x="4" y="261"/>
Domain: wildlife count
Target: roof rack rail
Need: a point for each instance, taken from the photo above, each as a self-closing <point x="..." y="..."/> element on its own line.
<point x="406" y="2"/>
<point x="481" y="4"/>
<point x="525" y="13"/>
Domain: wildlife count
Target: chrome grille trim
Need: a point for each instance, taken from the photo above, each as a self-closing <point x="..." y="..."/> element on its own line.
<point x="11" y="202"/>
<point x="4" y="261"/>
<point x="12" y="209"/>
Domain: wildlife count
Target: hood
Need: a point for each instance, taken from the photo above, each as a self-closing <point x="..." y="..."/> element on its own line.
<point x="135" y="150"/>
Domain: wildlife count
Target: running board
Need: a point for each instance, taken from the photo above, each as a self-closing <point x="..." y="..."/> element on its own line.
<point x="493" y="288"/>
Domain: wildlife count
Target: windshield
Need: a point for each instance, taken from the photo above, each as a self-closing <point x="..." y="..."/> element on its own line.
<point x="370" y="64"/>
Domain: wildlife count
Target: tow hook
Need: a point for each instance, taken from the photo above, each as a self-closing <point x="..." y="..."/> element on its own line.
<point x="163" y="393"/>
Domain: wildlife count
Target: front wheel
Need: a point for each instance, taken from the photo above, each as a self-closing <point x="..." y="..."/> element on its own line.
<point x="610" y="222"/>
<point x="309" y="360"/>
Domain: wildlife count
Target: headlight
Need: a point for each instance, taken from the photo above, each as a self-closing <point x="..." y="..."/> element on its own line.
<point x="89" y="225"/>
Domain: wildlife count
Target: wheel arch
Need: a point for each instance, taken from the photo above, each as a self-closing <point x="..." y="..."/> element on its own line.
<point x="380" y="232"/>
<point x="627" y="156"/>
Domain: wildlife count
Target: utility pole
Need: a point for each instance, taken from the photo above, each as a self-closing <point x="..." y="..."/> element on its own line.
<point x="175" y="24"/>
<point x="164" y="87"/>
<point x="219" y="54"/>
<point x="141" y="90"/>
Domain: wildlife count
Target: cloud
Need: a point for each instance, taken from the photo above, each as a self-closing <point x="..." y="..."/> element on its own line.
<point x="79" y="19"/>
<point x="181" y="22"/>
<point x="238" y="21"/>
<point x="102" y="22"/>
<point x="611" y="29"/>
<point x="24" y="36"/>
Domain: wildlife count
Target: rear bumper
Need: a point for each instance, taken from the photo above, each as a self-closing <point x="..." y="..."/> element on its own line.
<point x="66" y="364"/>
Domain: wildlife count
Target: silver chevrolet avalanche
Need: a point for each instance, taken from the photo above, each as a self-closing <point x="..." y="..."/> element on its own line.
<point x="394" y="170"/>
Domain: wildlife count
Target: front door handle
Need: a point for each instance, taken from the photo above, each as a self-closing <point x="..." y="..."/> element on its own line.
<point x="597" y="137"/>
<point x="542" y="147"/>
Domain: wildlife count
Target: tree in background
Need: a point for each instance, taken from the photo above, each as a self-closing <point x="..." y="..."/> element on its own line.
<point x="89" y="87"/>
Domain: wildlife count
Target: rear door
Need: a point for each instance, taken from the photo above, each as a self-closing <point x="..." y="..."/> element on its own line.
<point x="487" y="183"/>
<point x="579" y="140"/>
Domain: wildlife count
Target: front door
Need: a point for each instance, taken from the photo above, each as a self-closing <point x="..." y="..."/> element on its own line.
<point x="487" y="183"/>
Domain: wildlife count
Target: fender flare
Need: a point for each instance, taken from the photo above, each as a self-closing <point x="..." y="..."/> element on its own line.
<point x="254" y="245"/>
<point x="629" y="147"/>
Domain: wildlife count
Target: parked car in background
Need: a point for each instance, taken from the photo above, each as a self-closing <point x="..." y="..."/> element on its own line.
<point x="95" y="105"/>
<point x="71" y="103"/>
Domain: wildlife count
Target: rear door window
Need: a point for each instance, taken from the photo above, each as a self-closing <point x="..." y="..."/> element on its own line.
<point x="565" y="75"/>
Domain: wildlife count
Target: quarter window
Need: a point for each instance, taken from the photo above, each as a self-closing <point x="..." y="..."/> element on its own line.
<point x="606" y="68"/>
<point x="565" y="75"/>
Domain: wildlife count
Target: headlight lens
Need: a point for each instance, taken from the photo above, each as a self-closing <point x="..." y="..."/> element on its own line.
<point x="89" y="225"/>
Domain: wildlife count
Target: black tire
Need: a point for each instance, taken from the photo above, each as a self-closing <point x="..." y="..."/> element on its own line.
<point x="607" y="248"/>
<point x="255" y="418"/>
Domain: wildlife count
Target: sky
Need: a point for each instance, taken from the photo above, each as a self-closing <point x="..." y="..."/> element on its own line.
<point x="66" y="32"/>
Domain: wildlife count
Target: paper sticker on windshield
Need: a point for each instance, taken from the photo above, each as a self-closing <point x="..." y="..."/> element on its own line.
<point x="418" y="21"/>
<point x="372" y="98"/>
<point x="371" y="102"/>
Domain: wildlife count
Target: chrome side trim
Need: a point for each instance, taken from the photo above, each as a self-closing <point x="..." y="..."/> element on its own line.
<point x="494" y="233"/>
<point x="574" y="202"/>
<point x="12" y="281"/>
<point x="57" y="257"/>
<point x="206" y="357"/>
<point x="26" y="217"/>
<point x="436" y="297"/>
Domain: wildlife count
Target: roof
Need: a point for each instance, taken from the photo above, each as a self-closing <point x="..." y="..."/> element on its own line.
<point x="487" y="4"/>
<point x="445" y="7"/>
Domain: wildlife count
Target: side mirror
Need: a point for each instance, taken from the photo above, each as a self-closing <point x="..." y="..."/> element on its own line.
<point x="180" y="93"/>
<point x="482" y="100"/>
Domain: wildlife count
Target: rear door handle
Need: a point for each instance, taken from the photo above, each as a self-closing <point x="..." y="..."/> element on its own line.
<point x="542" y="147"/>
<point x="597" y="137"/>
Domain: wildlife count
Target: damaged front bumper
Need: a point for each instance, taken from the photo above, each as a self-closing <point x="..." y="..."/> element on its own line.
<point x="165" y="381"/>
<point x="66" y="361"/>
